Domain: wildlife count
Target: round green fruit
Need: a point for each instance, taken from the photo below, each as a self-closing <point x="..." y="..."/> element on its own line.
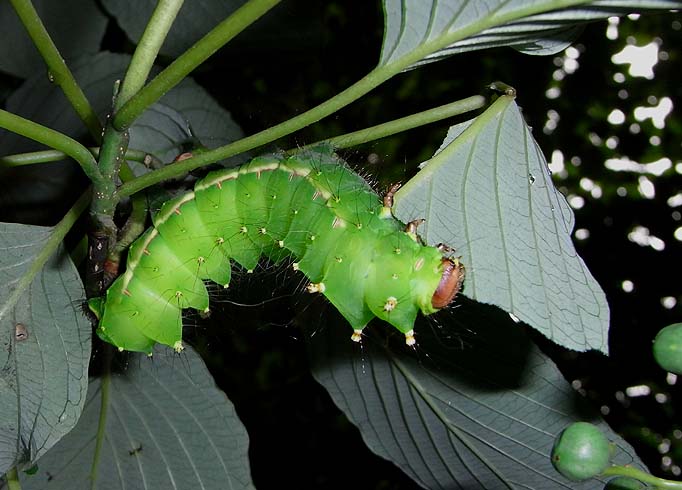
<point x="668" y="348"/>
<point x="581" y="451"/>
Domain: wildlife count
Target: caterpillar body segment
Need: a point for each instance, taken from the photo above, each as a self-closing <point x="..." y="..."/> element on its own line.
<point x="309" y="206"/>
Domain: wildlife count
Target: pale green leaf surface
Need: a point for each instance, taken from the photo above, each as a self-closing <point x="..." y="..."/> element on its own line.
<point x="196" y="18"/>
<point x="425" y="31"/>
<point x="166" y="426"/>
<point x="18" y="55"/>
<point x="44" y="364"/>
<point x="489" y="194"/>
<point x="475" y="405"/>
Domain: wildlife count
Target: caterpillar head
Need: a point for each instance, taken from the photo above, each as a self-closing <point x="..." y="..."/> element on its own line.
<point x="450" y="282"/>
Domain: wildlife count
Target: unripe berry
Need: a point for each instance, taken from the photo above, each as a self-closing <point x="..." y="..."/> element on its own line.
<point x="668" y="348"/>
<point x="581" y="451"/>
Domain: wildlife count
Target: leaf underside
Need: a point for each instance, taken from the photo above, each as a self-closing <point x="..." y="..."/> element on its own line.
<point x="45" y="349"/>
<point x="166" y="426"/>
<point x="488" y="193"/>
<point x="476" y="405"/>
<point x="435" y="29"/>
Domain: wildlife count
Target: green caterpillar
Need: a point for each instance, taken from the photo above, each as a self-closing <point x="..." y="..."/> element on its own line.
<point x="309" y="206"/>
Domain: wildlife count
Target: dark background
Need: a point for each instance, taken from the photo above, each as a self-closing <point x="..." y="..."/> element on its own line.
<point x="305" y="52"/>
<point x="324" y="49"/>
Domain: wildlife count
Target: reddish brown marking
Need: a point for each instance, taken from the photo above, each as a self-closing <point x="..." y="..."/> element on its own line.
<point x="177" y="211"/>
<point x="388" y="197"/>
<point x="219" y="185"/>
<point x="145" y="251"/>
<point x="111" y="267"/>
<point x="183" y="156"/>
<point x="127" y="293"/>
<point x="450" y="283"/>
<point x="411" y="227"/>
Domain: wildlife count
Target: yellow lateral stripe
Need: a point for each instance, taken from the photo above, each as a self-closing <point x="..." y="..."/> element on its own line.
<point x="160" y="219"/>
<point x="133" y="261"/>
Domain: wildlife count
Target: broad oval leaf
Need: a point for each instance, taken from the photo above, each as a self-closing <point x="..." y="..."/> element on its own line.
<point x="45" y="350"/>
<point x="162" y="423"/>
<point x="489" y="194"/>
<point x="18" y="55"/>
<point x="475" y="406"/>
<point x="418" y="31"/>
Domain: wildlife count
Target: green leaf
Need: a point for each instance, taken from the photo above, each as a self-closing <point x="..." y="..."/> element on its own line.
<point x="418" y="32"/>
<point x="18" y="55"/>
<point x="476" y="405"/>
<point x="194" y="20"/>
<point x="45" y="348"/>
<point x="162" y="423"/>
<point x="488" y="193"/>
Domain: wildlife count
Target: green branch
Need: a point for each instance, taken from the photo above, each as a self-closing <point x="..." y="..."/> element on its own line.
<point x="48" y="156"/>
<point x="53" y="139"/>
<point x="342" y="99"/>
<point x="352" y="93"/>
<point x="373" y="79"/>
<point x="111" y="155"/>
<point x="13" y="482"/>
<point x="188" y="61"/>
<point x="59" y="72"/>
<point x="148" y="48"/>
<point x="406" y="123"/>
<point x="649" y="479"/>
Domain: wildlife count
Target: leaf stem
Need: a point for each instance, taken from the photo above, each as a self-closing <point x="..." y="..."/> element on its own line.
<point x="53" y="139"/>
<point x="58" y="71"/>
<point x="190" y="59"/>
<point x="56" y="237"/>
<point x="637" y="474"/>
<point x="342" y="99"/>
<point x="48" y="156"/>
<point x="406" y="123"/>
<point x="12" y="478"/>
<point x="378" y="75"/>
<point x="105" y="199"/>
<point x="104" y="408"/>
<point x="148" y="48"/>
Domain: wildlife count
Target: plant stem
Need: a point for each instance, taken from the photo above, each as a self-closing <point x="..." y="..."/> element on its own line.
<point x="56" y="237"/>
<point x="377" y="76"/>
<point x="342" y="99"/>
<point x="103" y="412"/>
<point x="59" y="73"/>
<point x="53" y="139"/>
<point x="48" y="156"/>
<point x="112" y="153"/>
<point x="406" y="123"/>
<point x="13" y="482"/>
<point x="642" y="476"/>
<point x="189" y="60"/>
<point x="148" y="48"/>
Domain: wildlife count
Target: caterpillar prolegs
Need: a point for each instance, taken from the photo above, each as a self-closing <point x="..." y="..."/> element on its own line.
<point x="309" y="206"/>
